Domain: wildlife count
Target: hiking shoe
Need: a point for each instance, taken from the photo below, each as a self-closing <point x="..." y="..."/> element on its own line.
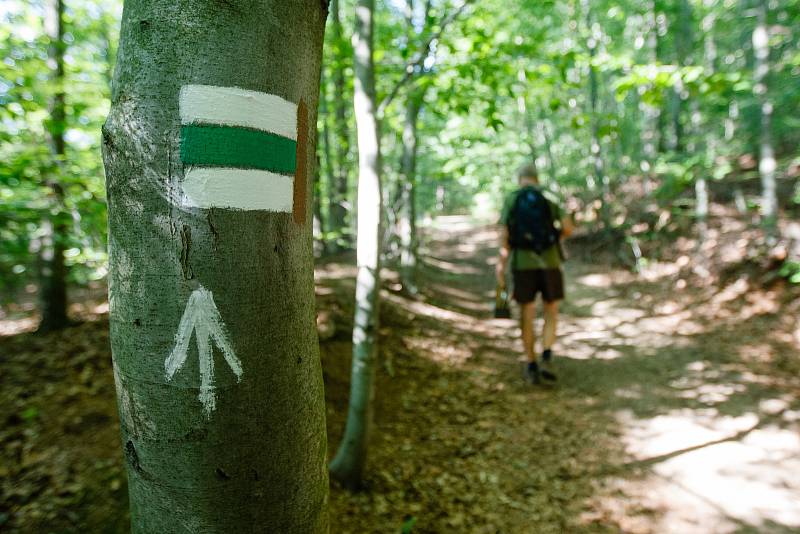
<point x="532" y="374"/>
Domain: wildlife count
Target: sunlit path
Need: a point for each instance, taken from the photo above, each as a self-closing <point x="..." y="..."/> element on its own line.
<point x="658" y="424"/>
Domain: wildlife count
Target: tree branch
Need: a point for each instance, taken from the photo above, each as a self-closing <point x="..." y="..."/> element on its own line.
<point x="420" y="56"/>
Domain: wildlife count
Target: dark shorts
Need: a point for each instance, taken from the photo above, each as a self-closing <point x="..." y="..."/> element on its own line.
<point x="550" y="282"/>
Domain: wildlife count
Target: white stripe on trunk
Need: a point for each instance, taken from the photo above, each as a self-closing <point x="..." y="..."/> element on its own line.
<point x="232" y="106"/>
<point x="246" y="189"/>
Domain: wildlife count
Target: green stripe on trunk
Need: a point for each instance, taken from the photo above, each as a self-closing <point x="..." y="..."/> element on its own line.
<point x="228" y="146"/>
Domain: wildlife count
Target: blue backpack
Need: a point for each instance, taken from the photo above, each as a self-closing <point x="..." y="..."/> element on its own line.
<point x="531" y="225"/>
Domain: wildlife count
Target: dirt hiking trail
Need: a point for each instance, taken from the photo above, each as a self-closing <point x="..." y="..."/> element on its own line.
<point x="661" y="421"/>
<point x="677" y="408"/>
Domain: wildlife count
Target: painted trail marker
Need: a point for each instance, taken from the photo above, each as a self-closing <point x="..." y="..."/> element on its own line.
<point x="202" y="317"/>
<point x="240" y="148"/>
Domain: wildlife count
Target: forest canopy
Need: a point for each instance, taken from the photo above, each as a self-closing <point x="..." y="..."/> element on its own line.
<point x="603" y="96"/>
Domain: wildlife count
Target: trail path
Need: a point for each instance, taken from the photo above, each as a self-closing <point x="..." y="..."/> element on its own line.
<point x="677" y="410"/>
<point x="662" y="421"/>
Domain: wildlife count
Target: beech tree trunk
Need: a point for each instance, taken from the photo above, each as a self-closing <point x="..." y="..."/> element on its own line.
<point x="323" y="149"/>
<point x="598" y="166"/>
<point x="766" y="154"/>
<point x="216" y="362"/>
<point x="348" y="464"/>
<point x="701" y="186"/>
<point x="651" y="112"/>
<point x="684" y="44"/>
<point x="339" y="184"/>
<point x="53" y="291"/>
<point x="408" y="209"/>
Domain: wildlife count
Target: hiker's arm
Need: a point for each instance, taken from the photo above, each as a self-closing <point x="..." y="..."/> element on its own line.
<point x="502" y="258"/>
<point x="567" y="226"/>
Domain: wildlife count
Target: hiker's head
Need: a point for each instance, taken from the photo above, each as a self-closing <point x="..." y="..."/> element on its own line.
<point x="528" y="175"/>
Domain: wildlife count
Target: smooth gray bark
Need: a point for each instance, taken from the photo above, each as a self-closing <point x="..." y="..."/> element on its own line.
<point x="256" y="460"/>
<point x="701" y="187"/>
<point x="339" y="186"/>
<point x="766" y="154"/>
<point x="684" y="45"/>
<point x="351" y="457"/>
<point x="651" y="112"/>
<point x="598" y="166"/>
<point x="324" y="146"/>
<point x="408" y="209"/>
<point x="53" y="290"/>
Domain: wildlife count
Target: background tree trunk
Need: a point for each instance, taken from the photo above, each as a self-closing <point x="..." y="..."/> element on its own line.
<point x="651" y="112"/>
<point x="339" y="173"/>
<point x="701" y="186"/>
<point x="684" y="45"/>
<point x="766" y="155"/>
<point x="319" y="227"/>
<point x="600" y="176"/>
<point x="324" y="149"/>
<point x="408" y="210"/>
<point x="241" y="447"/>
<point x="53" y="292"/>
<point x="348" y="464"/>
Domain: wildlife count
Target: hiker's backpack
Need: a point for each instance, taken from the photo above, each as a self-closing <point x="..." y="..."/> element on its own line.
<point x="531" y="225"/>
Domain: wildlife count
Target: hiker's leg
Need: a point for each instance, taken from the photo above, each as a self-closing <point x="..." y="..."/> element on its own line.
<point x="527" y="316"/>
<point x="552" y="294"/>
<point x="550" y="310"/>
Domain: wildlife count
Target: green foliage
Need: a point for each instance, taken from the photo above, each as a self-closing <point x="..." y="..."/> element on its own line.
<point x="504" y="84"/>
<point x="408" y="525"/>
<point x="27" y="164"/>
<point x="30" y="413"/>
<point x="791" y="271"/>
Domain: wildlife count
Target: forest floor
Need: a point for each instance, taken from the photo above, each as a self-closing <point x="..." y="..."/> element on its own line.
<point x="677" y="408"/>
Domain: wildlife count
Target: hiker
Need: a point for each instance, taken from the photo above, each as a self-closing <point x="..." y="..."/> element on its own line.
<point x="532" y="226"/>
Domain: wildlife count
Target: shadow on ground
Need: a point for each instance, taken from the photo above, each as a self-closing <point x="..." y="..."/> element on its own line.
<point x="673" y="413"/>
<point x="676" y="410"/>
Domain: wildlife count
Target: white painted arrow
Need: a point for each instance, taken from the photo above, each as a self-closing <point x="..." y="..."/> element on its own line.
<point x="202" y="317"/>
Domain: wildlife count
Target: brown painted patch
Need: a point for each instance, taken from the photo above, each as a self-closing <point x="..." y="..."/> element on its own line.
<point x="301" y="172"/>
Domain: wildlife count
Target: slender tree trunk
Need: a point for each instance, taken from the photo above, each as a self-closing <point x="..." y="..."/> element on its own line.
<point x="53" y="292"/>
<point x="408" y="209"/>
<point x="701" y="187"/>
<point x="597" y="159"/>
<point x="651" y="113"/>
<point x="766" y="156"/>
<point x="730" y="132"/>
<point x="325" y="151"/>
<point x="684" y="44"/>
<point x="350" y="460"/>
<point x="548" y="144"/>
<point x="219" y="383"/>
<point x="318" y="218"/>
<point x="662" y="27"/>
<point x="527" y="120"/>
<point x="339" y="183"/>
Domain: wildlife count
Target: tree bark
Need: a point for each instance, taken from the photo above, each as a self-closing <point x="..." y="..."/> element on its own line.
<point x="548" y="146"/>
<point x="339" y="183"/>
<point x="318" y="218"/>
<point x="766" y="155"/>
<point x="651" y="112"/>
<point x="53" y="292"/>
<point x="408" y="209"/>
<point x="597" y="159"/>
<point x="701" y="187"/>
<point x="350" y="460"/>
<point x="684" y="44"/>
<point x="323" y="139"/>
<point x="241" y="447"/>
